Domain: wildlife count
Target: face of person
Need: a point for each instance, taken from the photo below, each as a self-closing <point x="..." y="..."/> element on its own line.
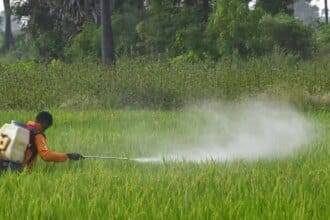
<point x="44" y="126"/>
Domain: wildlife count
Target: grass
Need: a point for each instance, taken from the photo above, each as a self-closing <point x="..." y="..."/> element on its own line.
<point x="149" y="84"/>
<point x="1" y="38"/>
<point x="293" y="188"/>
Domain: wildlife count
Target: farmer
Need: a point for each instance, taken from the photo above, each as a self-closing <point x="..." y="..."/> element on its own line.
<point x="38" y="146"/>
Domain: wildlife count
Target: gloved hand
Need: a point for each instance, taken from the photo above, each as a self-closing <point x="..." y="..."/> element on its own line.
<point x="74" y="156"/>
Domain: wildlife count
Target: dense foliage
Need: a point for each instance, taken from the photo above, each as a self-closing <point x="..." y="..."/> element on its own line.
<point x="287" y="33"/>
<point x="192" y="29"/>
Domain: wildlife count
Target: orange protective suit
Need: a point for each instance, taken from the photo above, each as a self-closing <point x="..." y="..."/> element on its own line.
<point x="40" y="148"/>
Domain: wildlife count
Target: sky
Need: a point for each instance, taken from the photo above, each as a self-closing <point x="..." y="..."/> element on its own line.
<point x="319" y="3"/>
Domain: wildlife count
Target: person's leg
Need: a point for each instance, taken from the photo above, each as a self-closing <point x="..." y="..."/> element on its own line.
<point x="3" y="166"/>
<point x="16" y="167"/>
<point x="6" y="165"/>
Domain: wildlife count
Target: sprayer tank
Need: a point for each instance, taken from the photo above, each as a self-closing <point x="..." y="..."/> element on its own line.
<point x="14" y="140"/>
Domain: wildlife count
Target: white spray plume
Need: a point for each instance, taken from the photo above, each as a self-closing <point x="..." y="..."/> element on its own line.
<point x="249" y="130"/>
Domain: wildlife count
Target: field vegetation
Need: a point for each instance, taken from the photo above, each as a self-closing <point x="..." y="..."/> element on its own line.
<point x="151" y="84"/>
<point x="168" y="55"/>
<point x="292" y="188"/>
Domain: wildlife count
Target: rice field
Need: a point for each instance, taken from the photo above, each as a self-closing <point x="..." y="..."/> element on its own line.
<point x="297" y="187"/>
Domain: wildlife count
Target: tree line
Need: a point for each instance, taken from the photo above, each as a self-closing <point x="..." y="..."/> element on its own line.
<point x="183" y="29"/>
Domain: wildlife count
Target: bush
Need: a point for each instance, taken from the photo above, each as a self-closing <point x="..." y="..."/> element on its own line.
<point x="323" y="40"/>
<point x="85" y="44"/>
<point x="1" y="38"/>
<point x="323" y="35"/>
<point x="234" y="28"/>
<point x="24" y="49"/>
<point x="126" y="38"/>
<point x="49" y="45"/>
<point x="172" y="30"/>
<point x="288" y="33"/>
<point x="239" y="31"/>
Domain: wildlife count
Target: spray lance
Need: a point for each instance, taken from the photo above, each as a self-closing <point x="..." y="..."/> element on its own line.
<point x="140" y="160"/>
<point x="113" y="158"/>
<point x="106" y="158"/>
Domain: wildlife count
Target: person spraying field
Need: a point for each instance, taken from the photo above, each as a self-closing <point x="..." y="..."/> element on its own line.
<point x="20" y="144"/>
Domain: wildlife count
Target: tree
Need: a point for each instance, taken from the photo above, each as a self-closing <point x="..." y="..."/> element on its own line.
<point x="288" y="33"/>
<point x="108" y="56"/>
<point x="203" y="5"/>
<point x="140" y="6"/>
<point x="65" y="16"/>
<point x="53" y="23"/>
<point x="190" y="2"/>
<point x="326" y="11"/>
<point x="276" y="6"/>
<point x="206" y="9"/>
<point x="233" y="29"/>
<point x="8" y="39"/>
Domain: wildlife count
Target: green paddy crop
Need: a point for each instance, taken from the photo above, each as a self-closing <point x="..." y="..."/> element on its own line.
<point x="285" y="188"/>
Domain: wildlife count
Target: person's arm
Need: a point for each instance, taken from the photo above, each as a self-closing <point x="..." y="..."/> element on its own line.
<point x="45" y="153"/>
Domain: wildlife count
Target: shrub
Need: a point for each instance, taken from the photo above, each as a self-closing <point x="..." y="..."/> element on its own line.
<point x="49" y="45"/>
<point x="85" y="44"/>
<point x="323" y="35"/>
<point x="237" y="30"/>
<point x="323" y="40"/>
<point x="288" y="33"/>
<point x="125" y="34"/>
<point x="234" y="28"/>
<point x="170" y="29"/>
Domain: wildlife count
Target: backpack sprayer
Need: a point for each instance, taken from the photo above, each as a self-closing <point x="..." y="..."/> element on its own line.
<point x="14" y="138"/>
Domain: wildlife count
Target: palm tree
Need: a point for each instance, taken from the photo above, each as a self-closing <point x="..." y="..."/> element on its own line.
<point x="8" y="39"/>
<point x="108" y="56"/>
<point x="326" y="11"/>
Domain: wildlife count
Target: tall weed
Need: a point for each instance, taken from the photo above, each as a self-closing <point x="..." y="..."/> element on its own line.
<point x="144" y="83"/>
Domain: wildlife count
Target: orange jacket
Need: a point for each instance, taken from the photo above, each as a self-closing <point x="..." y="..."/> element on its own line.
<point x="40" y="143"/>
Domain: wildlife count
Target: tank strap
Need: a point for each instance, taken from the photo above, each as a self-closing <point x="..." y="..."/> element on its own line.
<point x="32" y="147"/>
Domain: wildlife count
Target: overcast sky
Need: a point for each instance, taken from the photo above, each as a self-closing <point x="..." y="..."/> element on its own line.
<point x="319" y="3"/>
